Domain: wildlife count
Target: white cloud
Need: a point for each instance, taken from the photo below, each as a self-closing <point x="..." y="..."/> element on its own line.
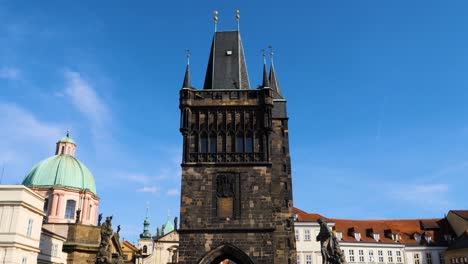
<point x="149" y="189"/>
<point x="10" y="73"/>
<point x="85" y="98"/>
<point x="24" y="140"/>
<point x="172" y="192"/>
<point x="140" y="178"/>
<point x="420" y="194"/>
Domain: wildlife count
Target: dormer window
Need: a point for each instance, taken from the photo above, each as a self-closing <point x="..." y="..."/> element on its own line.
<point x="417" y="237"/>
<point x="357" y="236"/>
<point x="296" y="218"/>
<point x="376" y="237"/>
<point x="447" y="237"/>
<point x="428" y="239"/>
<point x="339" y="235"/>
<point x="395" y="237"/>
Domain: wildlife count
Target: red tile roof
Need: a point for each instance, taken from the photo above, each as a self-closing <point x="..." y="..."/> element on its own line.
<point x="405" y="229"/>
<point x="129" y="245"/>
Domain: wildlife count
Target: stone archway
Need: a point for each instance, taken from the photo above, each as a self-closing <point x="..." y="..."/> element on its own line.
<point x="226" y="251"/>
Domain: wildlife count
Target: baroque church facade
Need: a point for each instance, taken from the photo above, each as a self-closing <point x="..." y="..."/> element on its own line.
<point x="236" y="194"/>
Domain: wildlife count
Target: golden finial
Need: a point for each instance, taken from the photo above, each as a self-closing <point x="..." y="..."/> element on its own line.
<point x="237" y="18"/>
<point x="215" y="18"/>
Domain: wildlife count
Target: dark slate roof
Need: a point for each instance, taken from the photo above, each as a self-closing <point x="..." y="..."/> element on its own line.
<point x="274" y="84"/>
<point x="186" y="83"/>
<point x="226" y="66"/>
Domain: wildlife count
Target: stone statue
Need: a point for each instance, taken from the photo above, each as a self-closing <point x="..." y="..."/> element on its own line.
<point x="175" y="223"/>
<point x="78" y="214"/>
<point x="157" y="232"/>
<point x="104" y="255"/>
<point x="162" y="230"/>
<point x="99" y="219"/>
<point x="118" y="229"/>
<point x="330" y="248"/>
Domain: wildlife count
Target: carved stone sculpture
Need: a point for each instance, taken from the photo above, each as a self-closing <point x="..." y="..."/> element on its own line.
<point x="330" y="248"/>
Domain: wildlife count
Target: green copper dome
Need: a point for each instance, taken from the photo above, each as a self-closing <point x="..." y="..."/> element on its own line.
<point x="61" y="171"/>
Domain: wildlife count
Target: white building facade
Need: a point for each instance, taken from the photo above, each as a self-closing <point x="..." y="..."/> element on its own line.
<point x="21" y="215"/>
<point x="374" y="241"/>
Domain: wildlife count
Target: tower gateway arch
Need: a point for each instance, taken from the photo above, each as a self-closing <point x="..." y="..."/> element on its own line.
<point x="236" y="197"/>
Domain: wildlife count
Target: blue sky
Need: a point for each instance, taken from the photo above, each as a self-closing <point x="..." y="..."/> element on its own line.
<point x="376" y="91"/>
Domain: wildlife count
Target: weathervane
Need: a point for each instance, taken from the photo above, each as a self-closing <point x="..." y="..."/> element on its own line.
<point x="215" y="18"/>
<point x="237" y="18"/>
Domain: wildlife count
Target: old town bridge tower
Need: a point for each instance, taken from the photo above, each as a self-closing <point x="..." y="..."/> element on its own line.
<point x="236" y="197"/>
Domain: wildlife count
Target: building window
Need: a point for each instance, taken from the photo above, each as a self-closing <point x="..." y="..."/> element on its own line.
<point x="399" y="258"/>
<point x="390" y="256"/>
<point x="441" y="258"/>
<point x="240" y="144"/>
<point x="46" y="205"/>
<point x="351" y="255"/>
<point x="416" y="258"/>
<point x="204" y="143"/>
<point x="296" y="231"/>
<point x="213" y="143"/>
<point x="30" y="226"/>
<point x="24" y="260"/>
<point x="339" y="235"/>
<point x="70" y="209"/>
<point x="371" y="255"/>
<point x="90" y="212"/>
<point x="380" y="253"/>
<point x="428" y="258"/>
<point x="298" y="259"/>
<point x="361" y="255"/>
<point x="249" y="144"/>
<point x="306" y="235"/>
<point x="308" y="259"/>
<point x="145" y="249"/>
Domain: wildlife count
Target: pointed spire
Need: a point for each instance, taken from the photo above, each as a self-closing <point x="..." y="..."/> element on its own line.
<point x="266" y="82"/>
<point x="146" y="234"/>
<point x="186" y="83"/>
<point x="273" y="79"/>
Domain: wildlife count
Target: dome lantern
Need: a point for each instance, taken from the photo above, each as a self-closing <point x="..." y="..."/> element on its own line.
<point x="66" y="146"/>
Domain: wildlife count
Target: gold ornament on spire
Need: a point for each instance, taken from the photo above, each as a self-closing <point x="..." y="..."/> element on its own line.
<point x="237" y="18"/>
<point x="215" y="16"/>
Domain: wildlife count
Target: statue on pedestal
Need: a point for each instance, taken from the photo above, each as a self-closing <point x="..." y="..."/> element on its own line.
<point x="330" y="248"/>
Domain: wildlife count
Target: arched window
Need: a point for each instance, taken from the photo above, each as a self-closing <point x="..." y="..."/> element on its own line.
<point x="204" y="143"/>
<point x="63" y="150"/>
<point x="70" y="209"/>
<point x="213" y="143"/>
<point x="194" y="138"/>
<point x="240" y="143"/>
<point x="249" y="143"/>
<point x="145" y="249"/>
<point x="232" y="142"/>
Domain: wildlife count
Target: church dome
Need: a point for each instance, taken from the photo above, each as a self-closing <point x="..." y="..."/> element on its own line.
<point x="61" y="170"/>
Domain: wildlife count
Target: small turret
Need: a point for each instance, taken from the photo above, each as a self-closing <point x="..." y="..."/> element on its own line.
<point x="146" y="233"/>
<point x="186" y="83"/>
<point x="66" y="146"/>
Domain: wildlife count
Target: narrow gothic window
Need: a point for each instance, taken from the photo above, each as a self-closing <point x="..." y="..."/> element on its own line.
<point x="63" y="150"/>
<point x="223" y="143"/>
<point x="30" y="226"/>
<point x="204" y="144"/>
<point x="195" y="143"/>
<point x="232" y="141"/>
<point x="213" y="143"/>
<point x="240" y="144"/>
<point x="145" y="249"/>
<point x="70" y="209"/>
<point x="249" y="144"/>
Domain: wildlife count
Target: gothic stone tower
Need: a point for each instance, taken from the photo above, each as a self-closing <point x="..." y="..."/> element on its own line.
<point x="236" y="198"/>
